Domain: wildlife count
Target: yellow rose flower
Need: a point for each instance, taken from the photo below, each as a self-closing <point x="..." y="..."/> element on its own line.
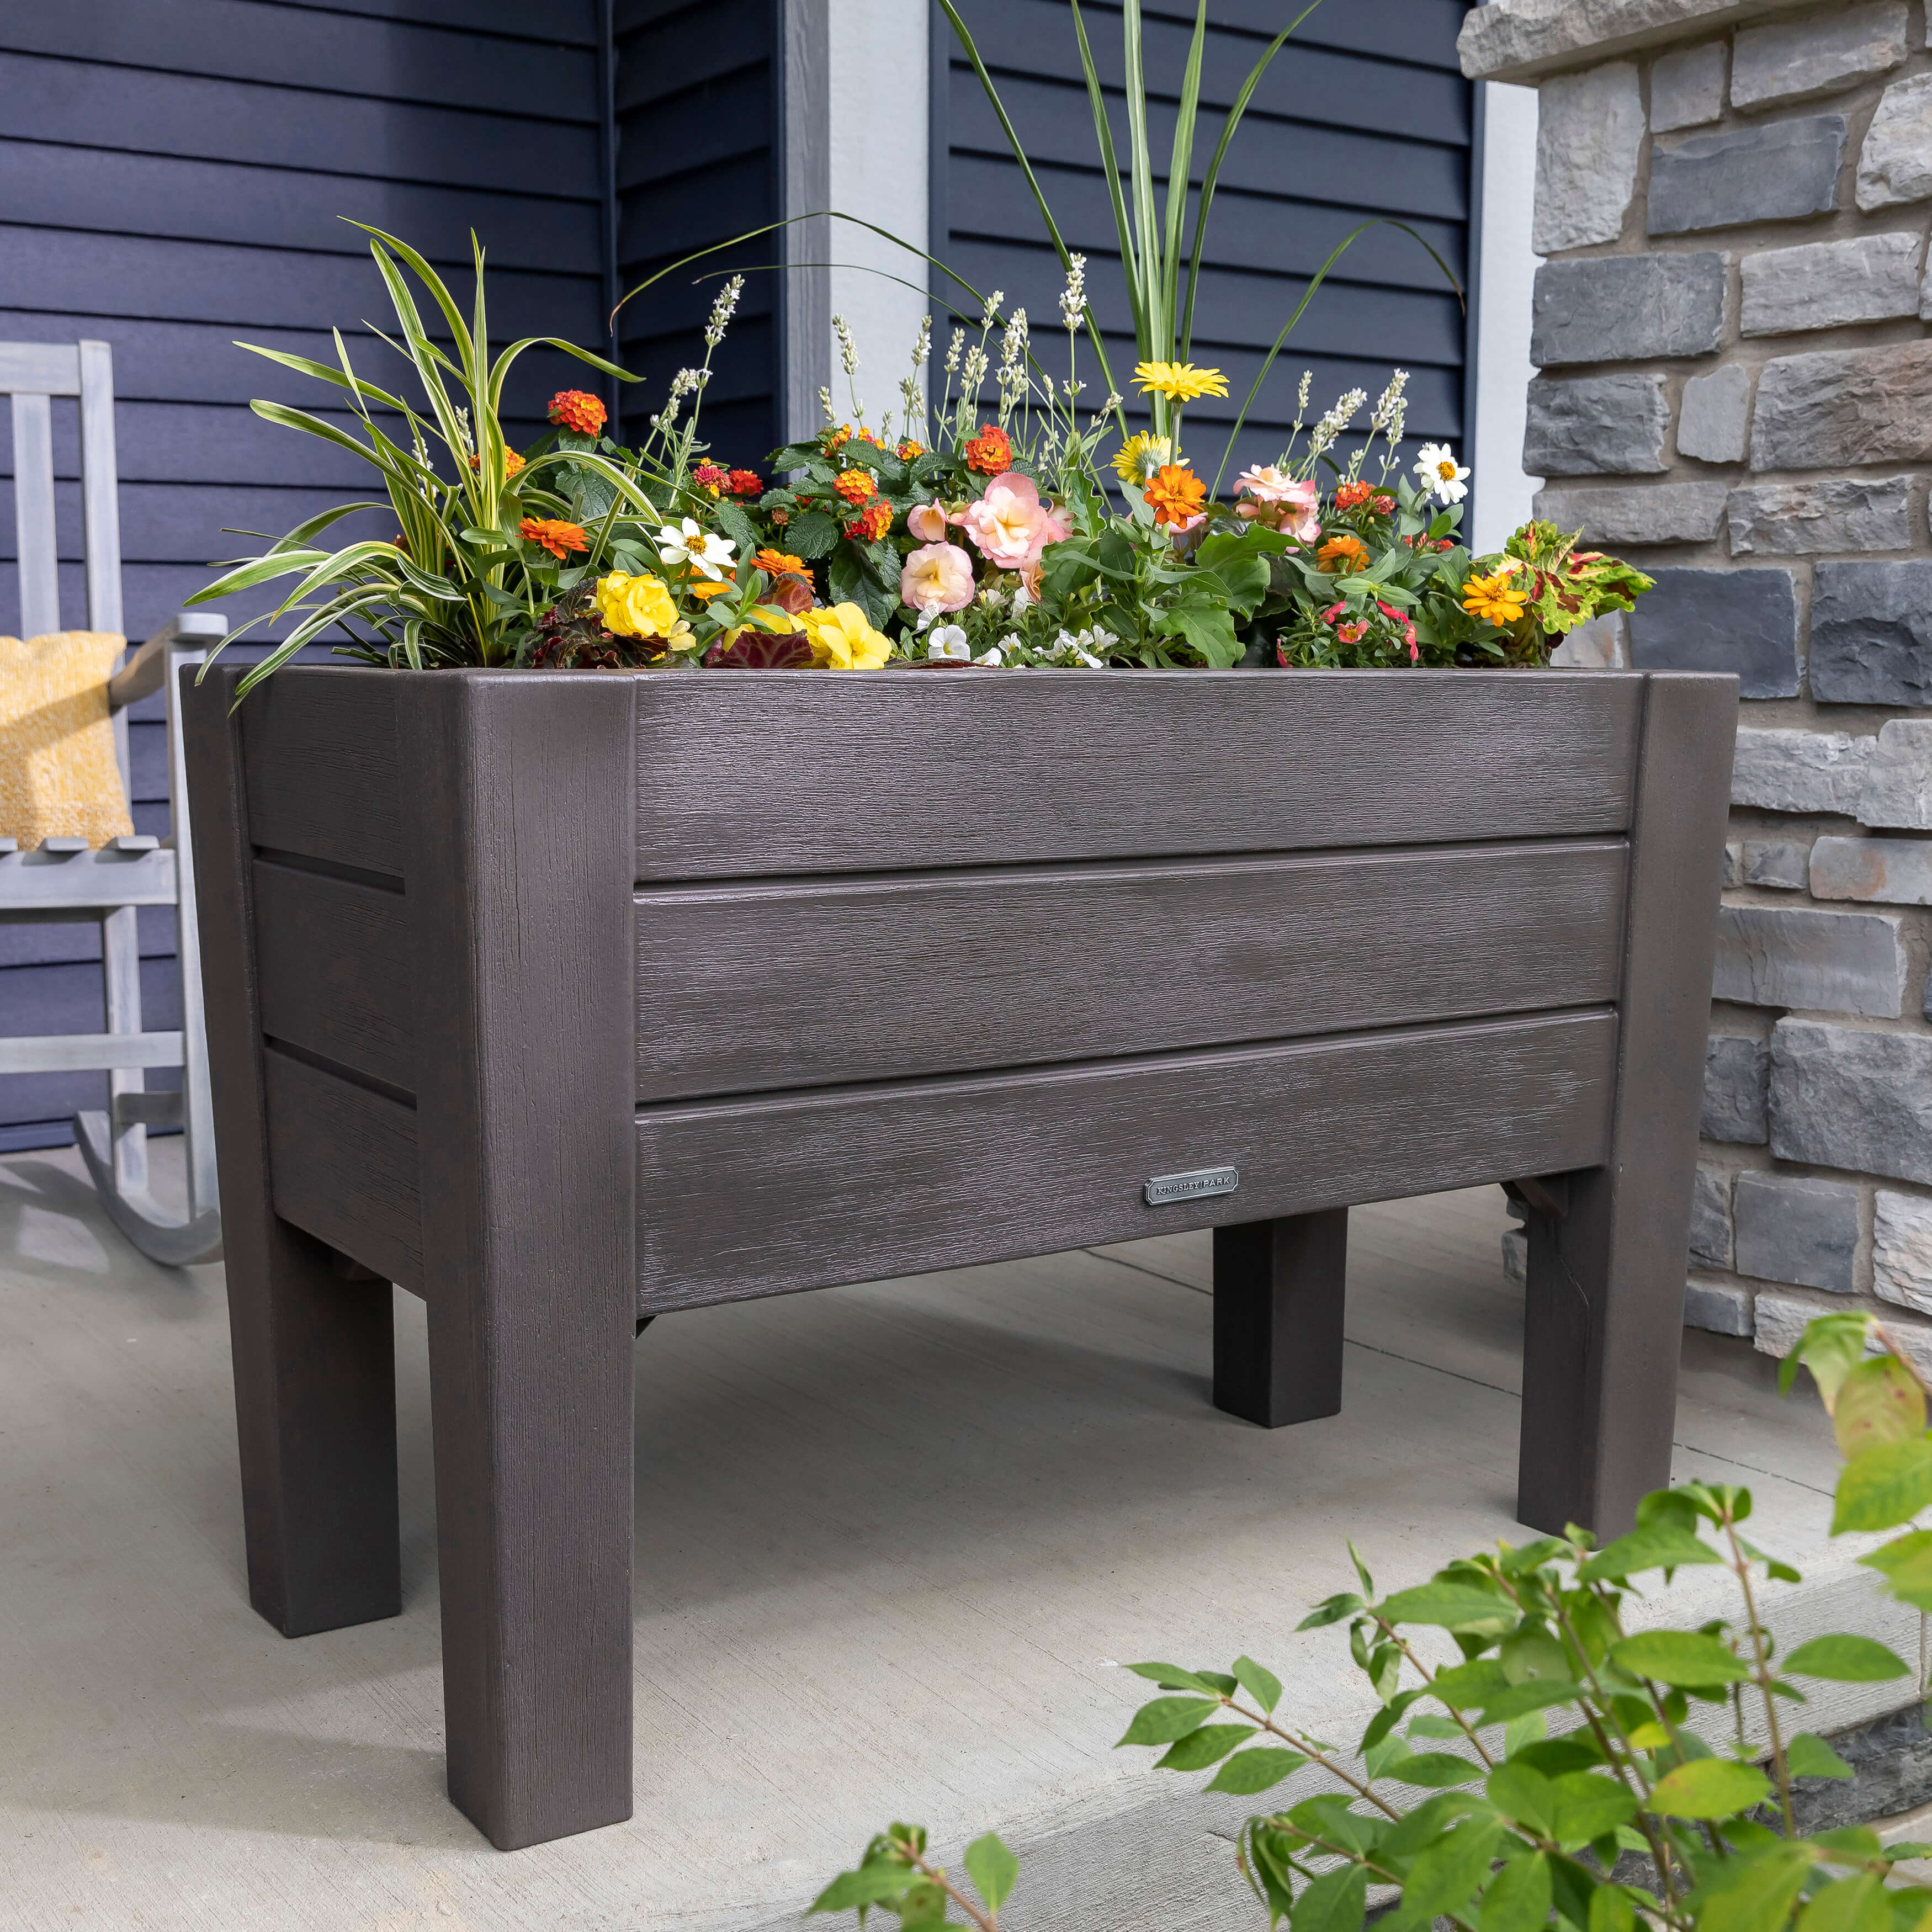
<point x="639" y="606"/>
<point x="843" y="639"/>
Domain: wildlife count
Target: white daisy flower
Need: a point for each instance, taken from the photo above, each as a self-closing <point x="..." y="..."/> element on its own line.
<point x="705" y="553"/>
<point x="1441" y="475"/>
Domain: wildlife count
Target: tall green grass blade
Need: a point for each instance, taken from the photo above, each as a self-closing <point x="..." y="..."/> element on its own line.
<point x="507" y="360"/>
<point x="1155" y="343"/>
<point x="280" y="413"/>
<point x="1212" y="178"/>
<point x="1103" y="130"/>
<point x="1340" y="249"/>
<point x="323" y="373"/>
<point x="1181" y="170"/>
<point x="430" y="279"/>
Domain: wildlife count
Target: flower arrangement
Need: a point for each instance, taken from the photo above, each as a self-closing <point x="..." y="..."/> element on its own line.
<point x="1003" y="522"/>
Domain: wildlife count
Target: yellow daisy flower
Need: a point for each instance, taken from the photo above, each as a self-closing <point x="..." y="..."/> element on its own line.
<point x="1496" y="599"/>
<point x="1180" y="382"/>
<point x="1139" y="456"/>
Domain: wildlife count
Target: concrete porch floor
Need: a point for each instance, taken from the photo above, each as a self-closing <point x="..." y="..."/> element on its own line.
<point x="888" y="1539"/>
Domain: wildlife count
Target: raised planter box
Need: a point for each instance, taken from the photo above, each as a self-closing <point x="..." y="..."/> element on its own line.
<point x="567" y="1000"/>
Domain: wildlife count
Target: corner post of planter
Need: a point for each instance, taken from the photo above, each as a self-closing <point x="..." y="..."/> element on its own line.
<point x="314" y="1354"/>
<point x="522" y="847"/>
<point x="1608" y="1246"/>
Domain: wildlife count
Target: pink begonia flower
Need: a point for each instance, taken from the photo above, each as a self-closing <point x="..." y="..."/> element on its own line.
<point x="936" y="577"/>
<point x="927" y="522"/>
<point x="1009" y="523"/>
<point x="1269" y="497"/>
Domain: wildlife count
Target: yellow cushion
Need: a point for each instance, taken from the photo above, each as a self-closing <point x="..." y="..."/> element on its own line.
<point x="59" y="775"/>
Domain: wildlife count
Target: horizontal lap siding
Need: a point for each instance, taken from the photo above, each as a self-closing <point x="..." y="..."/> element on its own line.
<point x="176" y="175"/>
<point x="1363" y="114"/>
<point x="697" y="101"/>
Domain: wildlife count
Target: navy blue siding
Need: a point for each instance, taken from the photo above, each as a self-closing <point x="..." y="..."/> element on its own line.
<point x="1364" y="113"/>
<point x="176" y="175"/>
<point x="698" y="85"/>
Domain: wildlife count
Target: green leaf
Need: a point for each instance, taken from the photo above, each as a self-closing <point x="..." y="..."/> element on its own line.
<point x="1846" y="1660"/>
<point x="1261" y="1769"/>
<point x="1263" y="1686"/>
<point x="1855" y="1904"/>
<point x="1689" y="1658"/>
<point x="810" y="535"/>
<point x="1335" y="1902"/>
<point x="1665" y="1547"/>
<point x="1610" y="1910"/>
<point x="1434" y="1770"/>
<point x="1200" y="1748"/>
<point x="1710" y="1787"/>
<point x="1879" y="1403"/>
<point x="1906" y="1563"/>
<point x="1171" y="1677"/>
<point x="1587" y="1805"/>
<point x="993" y="1869"/>
<point x="1518" y="1897"/>
<point x="1537" y="1694"/>
<point x="1831" y="1347"/>
<point x="1808" y="1756"/>
<point x="1525" y="1795"/>
<point x="1451" y="1606"/>
<point x="868" y="1886"/>
<point x="1167" y="1718"/>
<point x="1759" y="1890"/>
<point x="1331" y="1610"/>
<point x="1446" y="1874"/>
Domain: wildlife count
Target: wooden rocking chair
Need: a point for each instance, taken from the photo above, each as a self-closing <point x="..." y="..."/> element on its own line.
<point x="70" y="879"/>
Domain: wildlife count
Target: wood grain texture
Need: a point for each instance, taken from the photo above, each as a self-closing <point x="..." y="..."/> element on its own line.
<point x="343" y="1161"/>
<point x="333" y="956"/>
<point x="1011" y="967"/>
<point x="521" y="828"/>
<point x="892" y="770"/>
<point x="761" y="1197"/>
<point x="1279" y="1296"/>
<point x="314" y="1356"/>
<point x="1606" y="1292"/>
<point x="321" y="766"/>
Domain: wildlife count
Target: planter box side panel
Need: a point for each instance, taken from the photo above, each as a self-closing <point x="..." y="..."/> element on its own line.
<point x="760" y="1197"/>
<point x="790" y="771"/>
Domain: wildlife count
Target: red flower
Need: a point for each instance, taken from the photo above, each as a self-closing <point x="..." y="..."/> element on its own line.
<point x="1352" y="495"/>
<point x="746" y="483"/>
<point x="708" y="476"/>
<point x="578" y="410"/>
<point x="990" y="452"/>
<point x="871" y="525"/>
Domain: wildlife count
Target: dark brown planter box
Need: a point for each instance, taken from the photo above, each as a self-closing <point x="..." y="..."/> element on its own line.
<point x="567" y="1000"/>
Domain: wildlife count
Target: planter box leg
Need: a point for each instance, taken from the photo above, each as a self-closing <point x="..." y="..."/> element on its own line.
<point x="523" y="853"/>
<point x="1278" y="1307"/>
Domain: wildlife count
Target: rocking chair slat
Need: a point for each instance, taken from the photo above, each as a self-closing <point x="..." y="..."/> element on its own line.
<point x="34" y="516"/>
<point x="99" y="500"/>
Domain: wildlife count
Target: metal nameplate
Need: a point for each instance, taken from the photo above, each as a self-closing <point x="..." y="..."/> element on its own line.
<point x="1196" y="1185"/>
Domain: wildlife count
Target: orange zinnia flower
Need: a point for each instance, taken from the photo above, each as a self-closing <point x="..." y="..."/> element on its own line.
<point x="558" y="538"/>
<point x="1344" y="550"/>
<point x="1175" y="494"/>
<point x="855" y="487"/>
<point x="778" y="563"/>
<point x="703" y="589"/>
<point x="578" y="410"/>
<point x="990" y="452"/>
<point x="872" y="525"/>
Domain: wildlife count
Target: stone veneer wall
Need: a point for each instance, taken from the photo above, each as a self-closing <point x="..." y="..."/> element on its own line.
<point x="1736" y="391"/>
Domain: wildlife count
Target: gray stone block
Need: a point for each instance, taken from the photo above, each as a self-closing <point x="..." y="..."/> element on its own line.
<point x="1840" y="408"/>
<point x="1714" y="422"/>
<point x="1789" y="60"/>
<point x="1895" y="163"/>
<point x="1781" y="171"/>
<point x="1515" y="1257"/>
<point x="1885" y="871"/>
<point x="1737" y="1076"/>
<point x="1826" y="284"/>
<point x="1602" y="644"/>
<point x="1843" y="1097"/>
<point x="1595" y="426"/>
<point x="1871" y="633"/>
<point x="1589" y="132"/>
<point x="1710" y="1219"/>
<point x="1902" y="1250"/>
<point x="1838" y="513"/>
<point x="1898" y="787"/>
<point x="1744" y="621"/>
<point x="1805" y="1232"/>
<point x="1801" y="771"/>
<point x="1734" y="862"/>
<point x="1669" y="513"/>
<point x="1626" y="308"/>
<point x="1778" y="863"/>
<point x="1686" y="88"/>
<point x="1717" y="1309"/>
<point x="1817" y="962"/>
